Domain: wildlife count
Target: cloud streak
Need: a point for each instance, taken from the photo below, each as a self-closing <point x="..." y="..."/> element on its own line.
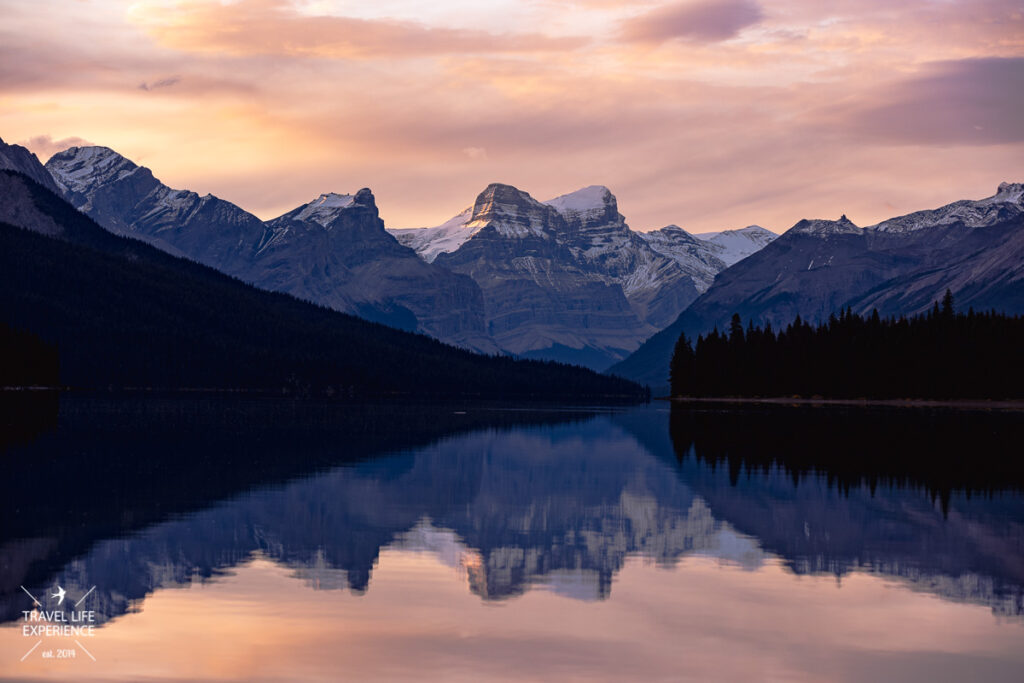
<point x="705" y="21"/>
<point x="162" y="83"/>
<point x="273" y="27"/>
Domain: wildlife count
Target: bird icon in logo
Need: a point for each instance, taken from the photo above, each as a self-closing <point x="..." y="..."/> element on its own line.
<point x="59" y="595"/>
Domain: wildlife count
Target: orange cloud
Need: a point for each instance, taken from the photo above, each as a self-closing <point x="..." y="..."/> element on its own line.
<point x="806" y="112"/>
<point x="272" y="27"/>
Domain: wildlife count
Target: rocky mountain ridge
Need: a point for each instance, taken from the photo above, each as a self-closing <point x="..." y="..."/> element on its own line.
<point x="333" y="251"/>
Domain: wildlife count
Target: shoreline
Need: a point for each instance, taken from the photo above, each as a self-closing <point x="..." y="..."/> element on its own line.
<point x="962" y="404"/>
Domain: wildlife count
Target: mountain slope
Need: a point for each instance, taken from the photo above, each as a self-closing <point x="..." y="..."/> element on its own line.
<point x="900" y="266"/>
<point x="333" y="251"/>
<point x="17" y="158"/>
<point x="124" y="314"/>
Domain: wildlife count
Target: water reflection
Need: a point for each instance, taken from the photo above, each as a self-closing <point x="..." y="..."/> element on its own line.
<point x="511" y="500"/>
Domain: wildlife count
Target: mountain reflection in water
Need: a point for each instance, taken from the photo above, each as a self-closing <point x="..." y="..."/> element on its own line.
<point x="173" y="492"/>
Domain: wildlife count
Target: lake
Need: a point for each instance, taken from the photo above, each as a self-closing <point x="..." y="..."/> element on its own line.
<point x="229" y="539"/>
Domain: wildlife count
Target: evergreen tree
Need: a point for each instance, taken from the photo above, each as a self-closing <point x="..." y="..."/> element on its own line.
<point x="681" y="369"/>
<point x="947" y="304"/>
<point x="736" y="329"/>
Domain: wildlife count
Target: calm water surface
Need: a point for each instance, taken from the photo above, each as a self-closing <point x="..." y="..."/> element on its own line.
<point x="280" y="541"/>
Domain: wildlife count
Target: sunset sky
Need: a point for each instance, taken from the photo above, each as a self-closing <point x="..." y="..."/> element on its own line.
<point x="709" y="114"/>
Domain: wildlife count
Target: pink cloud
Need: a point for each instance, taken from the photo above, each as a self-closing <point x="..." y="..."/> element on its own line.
<point x="273" y="27"/>
<point x="44" y="146"/>
<point x="963" y="102"/>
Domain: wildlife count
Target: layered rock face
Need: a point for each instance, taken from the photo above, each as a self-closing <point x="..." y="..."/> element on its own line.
<point x="900" y="266"/>
<point x="333" y="251"/>
<point x="565" y="279"/>
<point x="656" y="286"/>
<point x="540" y="300"/>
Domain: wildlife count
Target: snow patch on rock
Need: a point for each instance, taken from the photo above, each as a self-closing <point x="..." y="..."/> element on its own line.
<point x="325" y="208"/>
<point x="80" y="169"/>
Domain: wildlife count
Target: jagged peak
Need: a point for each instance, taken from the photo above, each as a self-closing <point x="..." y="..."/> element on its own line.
<point x="511" y="212"/>
<point x="502" y="193"/>
<point x="1010" y="192"/>
<point x="328" y="206"/>
<point x="825" y="227"/>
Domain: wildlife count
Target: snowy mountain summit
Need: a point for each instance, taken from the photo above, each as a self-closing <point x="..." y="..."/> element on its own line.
<point x="586" y="204"/>
<point x="567" y="278"/>
<point x="79" y="169"/>
<point x="822" y="227"/>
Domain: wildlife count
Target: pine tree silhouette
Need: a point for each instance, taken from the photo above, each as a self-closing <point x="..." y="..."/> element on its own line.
<point x="939" y="354"/>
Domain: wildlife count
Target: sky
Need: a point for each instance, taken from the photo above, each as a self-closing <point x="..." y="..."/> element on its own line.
<point x="708" y="114"/>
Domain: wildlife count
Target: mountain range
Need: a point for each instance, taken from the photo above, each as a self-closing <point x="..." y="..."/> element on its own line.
<point x="123" y="314"/>
<point x="901" y="266"/>
<point x="332" y="251"/>
<point x="565" y="279"/>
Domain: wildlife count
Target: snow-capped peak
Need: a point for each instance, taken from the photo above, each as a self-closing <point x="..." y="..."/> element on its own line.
<point x="591" y="199"/>
<point x="1009" y="192"/>
<point x="325" y="208"/>
<point x="80" y="169"/>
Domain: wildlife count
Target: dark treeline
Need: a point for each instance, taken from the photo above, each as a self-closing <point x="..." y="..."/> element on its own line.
<point x="938" y="355"/>
<point x="26" y="360"/>
<point x="121" y="314"/>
